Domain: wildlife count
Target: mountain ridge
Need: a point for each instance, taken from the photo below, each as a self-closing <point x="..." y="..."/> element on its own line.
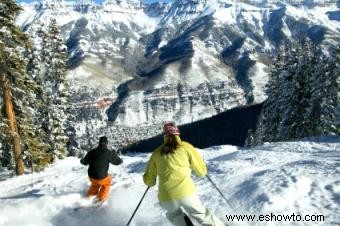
<point x="181" y="61"/>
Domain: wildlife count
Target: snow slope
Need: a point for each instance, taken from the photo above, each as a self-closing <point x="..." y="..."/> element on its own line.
<point x="301" y="177"/>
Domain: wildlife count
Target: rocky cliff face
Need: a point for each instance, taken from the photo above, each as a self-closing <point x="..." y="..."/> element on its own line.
<point x="132" y="65"/>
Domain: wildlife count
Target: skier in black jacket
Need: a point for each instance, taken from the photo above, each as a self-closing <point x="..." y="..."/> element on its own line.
<point x="99" y="159"/>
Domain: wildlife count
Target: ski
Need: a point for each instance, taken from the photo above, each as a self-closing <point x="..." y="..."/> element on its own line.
<point x="188" y="221"/>
<point x="93" y="207"/>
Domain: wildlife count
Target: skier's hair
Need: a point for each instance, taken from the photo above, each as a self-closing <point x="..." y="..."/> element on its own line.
<point x="170" y="146"/>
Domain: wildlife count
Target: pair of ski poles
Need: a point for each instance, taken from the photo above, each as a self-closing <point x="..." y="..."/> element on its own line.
<point x="225" y="199"/>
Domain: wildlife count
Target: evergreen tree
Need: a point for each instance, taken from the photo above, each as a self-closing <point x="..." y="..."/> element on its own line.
<point x="270" y="116"/>
<point x="299" y="99"/>
<point x="56" y="89"/>
<point x="12" y="68"/>
<point x="47" y="63"/>
<point x="289" y="91"/>
<point x="38" y="69"/>
<point x="324" y="96"/>
<point x="38" y="155"/>
<point x="19" y="89"/>
<point x="337" y="74"/>
<point x="302" y="96"/>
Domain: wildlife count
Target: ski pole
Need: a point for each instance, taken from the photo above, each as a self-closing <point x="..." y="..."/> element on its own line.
<point x="225" y="199"/>
<point x="137" y="206"/>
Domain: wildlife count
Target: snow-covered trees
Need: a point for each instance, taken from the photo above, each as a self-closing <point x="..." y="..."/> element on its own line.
<point x="323" y="97"/>
<point x="302" y="95"/>
<point x="34" y="103"/>
<point x="17" y="87"/>
<point x="337" y="71"/>
<point x="56" y="89"/>
<point x="38" y="151"/>
<point x="56" y="120"/>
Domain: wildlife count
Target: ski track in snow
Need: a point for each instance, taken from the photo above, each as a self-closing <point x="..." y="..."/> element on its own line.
<point x="301" y="177"/>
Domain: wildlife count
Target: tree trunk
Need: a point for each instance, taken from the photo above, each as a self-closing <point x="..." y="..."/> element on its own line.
<point x="19" y="163"/>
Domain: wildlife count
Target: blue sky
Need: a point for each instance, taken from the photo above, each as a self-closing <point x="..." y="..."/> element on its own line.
<point x="99" y="1"/>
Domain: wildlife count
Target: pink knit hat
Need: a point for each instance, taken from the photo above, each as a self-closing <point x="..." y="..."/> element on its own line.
<point x="170" y="128"/>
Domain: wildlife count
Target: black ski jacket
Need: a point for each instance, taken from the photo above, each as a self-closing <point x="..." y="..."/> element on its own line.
<point x="99" y="160"/>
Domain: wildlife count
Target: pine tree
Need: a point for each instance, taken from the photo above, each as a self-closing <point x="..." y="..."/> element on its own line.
<point x="38" y="69"/>
<point x="311" y="60"/>
<point x="56" y="89"/>
<point x="325" y="97"/>
<point x="273" y="117"/>
<point x="290" y="86"/>
<point x="337" y="74"/>
<point x="19" y="89"/>
<point x="302" y="96"/>
<point x="12" y="77"/>
<point x="37" y="155"/>
<point x="270" y="117"/>
<point x="24" y="100"/>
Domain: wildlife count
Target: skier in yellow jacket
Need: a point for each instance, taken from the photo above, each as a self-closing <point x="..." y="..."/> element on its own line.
<point x="172" y="162"/>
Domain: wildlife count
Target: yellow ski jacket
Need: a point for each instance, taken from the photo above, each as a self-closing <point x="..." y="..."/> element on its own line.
<point x="174" y="171"/>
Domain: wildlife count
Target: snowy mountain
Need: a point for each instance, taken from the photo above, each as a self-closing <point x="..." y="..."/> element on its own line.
<point x="300" y="178"/>
<point x="134" y="65"/>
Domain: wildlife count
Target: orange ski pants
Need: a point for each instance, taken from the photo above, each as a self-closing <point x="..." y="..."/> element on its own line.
<point x="100" y="187"/>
